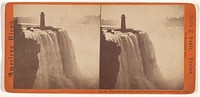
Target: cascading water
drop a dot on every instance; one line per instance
(138, 68)
(57, 65)
(58, 68)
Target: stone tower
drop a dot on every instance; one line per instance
(123, 23)
(42, 21)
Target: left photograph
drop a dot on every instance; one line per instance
(56, 46)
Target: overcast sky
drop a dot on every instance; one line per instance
(140, 15)
(54, 13)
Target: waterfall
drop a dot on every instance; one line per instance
(58, 68)
(57, 64)
(138, 68)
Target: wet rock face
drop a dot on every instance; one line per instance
(109, 63)
(132, 65)
(25, 59)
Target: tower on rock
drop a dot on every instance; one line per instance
(42, 21)
(123, 23)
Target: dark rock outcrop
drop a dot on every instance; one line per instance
(25, 59)
(109, 64)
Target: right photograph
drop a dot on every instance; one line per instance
(142, 47)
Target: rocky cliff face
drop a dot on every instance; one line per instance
(109, 64)
(45, 59)
(25, 59)
(128, 61)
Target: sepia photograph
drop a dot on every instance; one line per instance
(142, 47)
(56, 46)
(98, 47)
